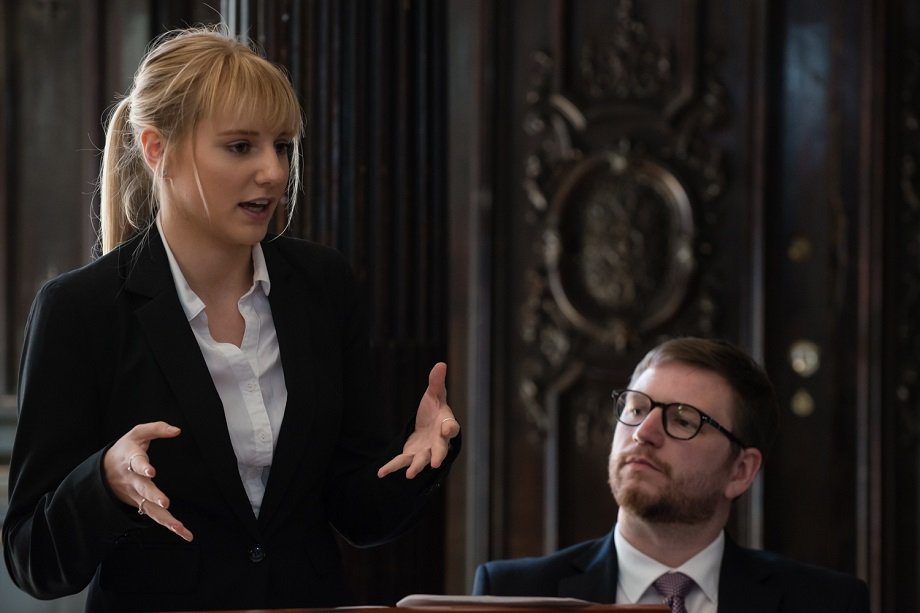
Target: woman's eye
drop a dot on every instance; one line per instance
(239, 147)
(284, 148)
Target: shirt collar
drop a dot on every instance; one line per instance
(192, 305)
(260, 269)
(638, 571)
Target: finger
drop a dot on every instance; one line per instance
(144, 433)
(419, 462)
(138, 461)
(436, 381)
(140, 464)
(397, 463)
(166, 519)
(148, 491)
(450, 427)
(438, 453)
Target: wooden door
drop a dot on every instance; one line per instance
(644, 169)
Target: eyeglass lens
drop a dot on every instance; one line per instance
(680, 421)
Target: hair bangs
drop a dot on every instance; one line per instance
(246, 86)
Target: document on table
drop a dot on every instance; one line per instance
(435, 600)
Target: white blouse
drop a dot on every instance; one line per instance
(249, 378)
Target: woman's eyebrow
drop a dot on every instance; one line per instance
(235, 132)
(247, 132)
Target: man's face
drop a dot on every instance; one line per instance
(665, 480)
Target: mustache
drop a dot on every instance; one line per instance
(634, 455)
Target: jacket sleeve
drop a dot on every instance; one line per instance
(62, 518)
(858, 597)
(481, 583)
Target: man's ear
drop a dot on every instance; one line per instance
(154, 148)
(744, 469)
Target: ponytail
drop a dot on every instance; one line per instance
(127, 203)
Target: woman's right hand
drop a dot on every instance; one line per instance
(130, 474)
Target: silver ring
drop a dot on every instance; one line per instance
(140, 507)
(131, 462)
(449, 419)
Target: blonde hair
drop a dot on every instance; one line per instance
(186, 75)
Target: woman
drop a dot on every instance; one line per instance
(194, 405)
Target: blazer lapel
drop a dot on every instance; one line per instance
(742, 583)
(177, 354)
(596, 572)
(291, 312)
(742, 587)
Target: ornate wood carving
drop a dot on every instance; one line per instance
(622, 182)
(626, 64)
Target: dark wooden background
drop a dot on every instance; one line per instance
(540, 190)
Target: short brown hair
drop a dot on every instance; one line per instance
(756, 410)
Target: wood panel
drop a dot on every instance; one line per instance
(7, 173)
(773, 148)
(629, 219)
(812, 298)
(50, 123)
(63, 64)
(892, 414)
(47, 181)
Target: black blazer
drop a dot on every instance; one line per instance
(107, 347)
(750, 581)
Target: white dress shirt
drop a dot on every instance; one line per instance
(637, 573)
(249, 378)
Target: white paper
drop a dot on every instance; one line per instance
(434, 600)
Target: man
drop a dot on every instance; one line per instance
(694, 425)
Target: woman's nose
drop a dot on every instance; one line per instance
(273, 168)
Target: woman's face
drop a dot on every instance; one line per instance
(243, 166)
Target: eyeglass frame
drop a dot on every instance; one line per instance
(665, 406)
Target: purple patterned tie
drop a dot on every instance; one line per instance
(674, 586)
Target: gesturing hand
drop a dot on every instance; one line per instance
(434, 427)
(130, 474)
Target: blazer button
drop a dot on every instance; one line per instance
(256, 553)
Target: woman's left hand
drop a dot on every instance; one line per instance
(434, 427)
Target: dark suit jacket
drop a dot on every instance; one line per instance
(750, 581)
(108, 347)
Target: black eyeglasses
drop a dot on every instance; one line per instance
(681, 421)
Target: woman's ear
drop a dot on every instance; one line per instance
(154, 148)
